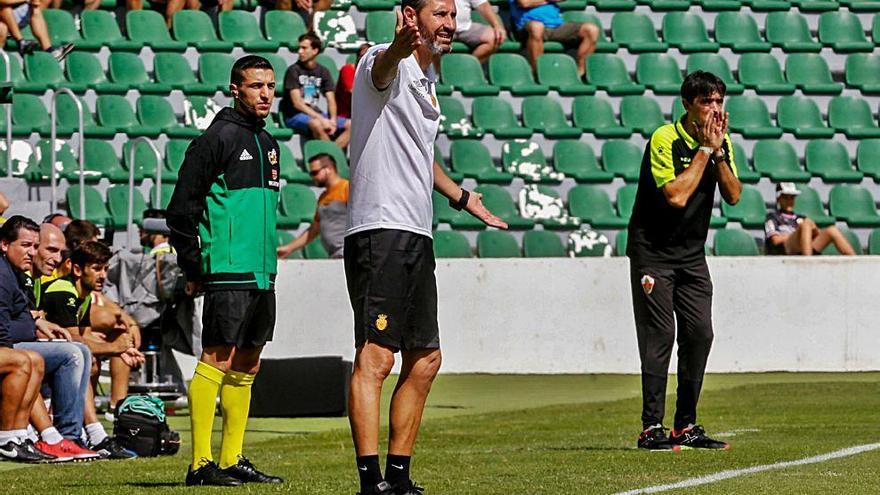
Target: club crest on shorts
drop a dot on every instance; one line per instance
(647, 284)
(382, 322)
(273, 157)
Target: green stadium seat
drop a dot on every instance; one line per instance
(44, 72)
(499, 202)
(739, 32)
(666, 5)
(593, 206)
(623, 159)
(750, 211)
(196, 29)
(175, 152)
(96, 210)
(620, 242)
(459, 220)
(380, 26)
(734, 242)
(173, 70)
(790, 31)
(636, 32)
(473, 160)
(85, 70)
(853, 117)
(42, 166)
(30, 115)
(778, 161)
(714, 63)
(336, 29)
(16, 75)
(829, 160)
(720, 5)
(297, 205)
(496, 116)
(626, 200)
(214, 70)
(99, 26)
(559, 72)
(761, 72)
(868, 158)
(609, 73)
(874, 242)
(576, 159)
(525, 159)
(659, 72)
(145, 162)
(165, 196)
(148, 28)
(641, 113)
(329, 63)
(101, 162)
(454, 120)
(809, 205)
(497, 244)
(284, 27)
(603, 44)
(117, 206)
(368, 5)
(769, 5)
(241, 29)
(811, 74)
(67, 118)
(875, 30)
(128, 69)
(862, 5)
(63, 30)
(801, 117)
(545, 115)
(511, 72)
(854, 205)
(816, 5)
(687, 32)
(156, 112)
(314, 147)
(861, 72)
(543, 244)
(284, 237)
(572, 5)
(114, 112)
(853, 239)
(594, 115)
(451, 244)
(744, 170)
(842, 31)
(749, 116)
(463, 72)
(291, 170)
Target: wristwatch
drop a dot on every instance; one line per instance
(462, 201)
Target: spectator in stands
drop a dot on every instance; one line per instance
(67, 364)
(332, 213)
(17, 14)
(537, 21)
(483, 39)
(786, 232)
(345, 84)
(156, 242)
(79, 231)
(304, 83)
(171, 7)
(78, 6)
(58, 220)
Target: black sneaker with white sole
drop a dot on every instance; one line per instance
(20, 452)
(654, 438)
(61, 52)
(109, 449)
(382, 488)
(209, 474)
(246, 472)
(694, 437)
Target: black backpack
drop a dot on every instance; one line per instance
(141, 427)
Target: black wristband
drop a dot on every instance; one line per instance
(462, 202)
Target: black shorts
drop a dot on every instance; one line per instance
(243, 318)
(393, 292)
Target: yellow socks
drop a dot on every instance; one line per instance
(235, 401)
(203, 392)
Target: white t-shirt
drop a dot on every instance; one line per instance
(392, 148)
(463, 20)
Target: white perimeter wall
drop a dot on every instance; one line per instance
(575, 315)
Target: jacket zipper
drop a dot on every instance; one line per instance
(263, 190)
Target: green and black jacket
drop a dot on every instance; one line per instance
(223, 211)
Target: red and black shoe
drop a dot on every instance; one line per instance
(694, 437)
(654, 438)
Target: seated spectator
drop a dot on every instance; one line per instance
(332, 212)
(482, 39)
(345, 84)
(171, 7)
(67, 364)
(17, 14)
(78, 6)
(304, 83)
(537, 21)
(788, 233)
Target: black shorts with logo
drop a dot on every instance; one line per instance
(243, 318)
(393, 292)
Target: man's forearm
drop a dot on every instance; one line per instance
(680, 190)
(444, 185)
(331, 105)
(486, 12)
(730, 186)
(385, 69)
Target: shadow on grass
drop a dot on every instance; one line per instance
(155, 484)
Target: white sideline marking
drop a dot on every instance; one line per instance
(733, 433)
(733, 473)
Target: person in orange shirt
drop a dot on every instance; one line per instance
(331, 215)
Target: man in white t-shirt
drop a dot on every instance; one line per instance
(483, 39)
(389, 256)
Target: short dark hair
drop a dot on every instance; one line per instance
(324, 158)
(79, 231)
(701, 83)
(9, 230)
(314, 40)
(154, 213)
(90, 252)
(245, 63)
(415, 4)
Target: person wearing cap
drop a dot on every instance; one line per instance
(154, 233)
(789, 233)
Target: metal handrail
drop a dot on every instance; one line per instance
(6, 60)
(132, 153)
(53, 153)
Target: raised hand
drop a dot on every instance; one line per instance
(406, 37)
(711, 132)
(475, 207)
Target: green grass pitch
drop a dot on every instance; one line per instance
(486, 434)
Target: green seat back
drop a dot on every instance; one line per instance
(167, 191)
(658, 69)
(380, 26)
(809, 204)
(451, 244)
(96, 210)
(510, 70)
(156, 111)
(730, 242)
(145, 161)
(16, 75)
(42, 68)
(492, 112)
(633, 27)
(604, 69)
(285, 27)
(543, 112)
(61, 27)
(748, 111)
(848, 111)
(101, 26)
(868, 157)
(626, 200)
(497, 244)
(298, 201)
(193, 27)
(841, 26)
(711, 62)
(798, 111)
(117, 203)
(734, 28)
(173, 68)
(470, 158)
(214, 68)
(641, 113)
(557, 69)
(622, 158)
(750, 210)
(146, 26)
(760, 68)
(461, 69)
(543, 244)
(572, 157)
(874, 242)
(85, 68)
(314, 147)
(863, 68)
(593, 112)
(683, 28)
(851, 201)
(28, 110)
(115, 111)
(775, 157)
(498, 201)
(101, 159)
(175, 151)
(827, 156)
(787, 27)
(127, 68)
(807, 68)
(590, 203)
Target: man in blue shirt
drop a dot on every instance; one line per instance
(537, 21)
